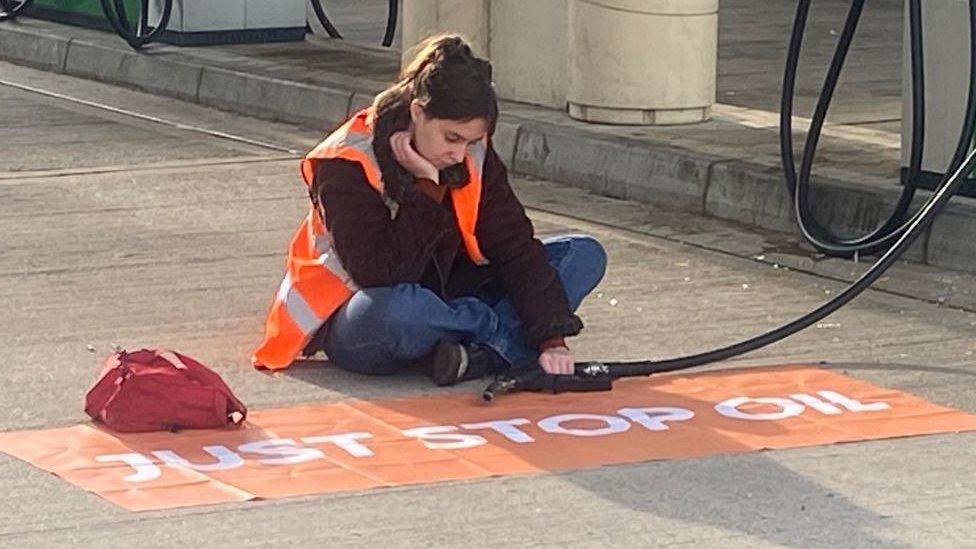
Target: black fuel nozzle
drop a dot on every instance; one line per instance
(588, 376)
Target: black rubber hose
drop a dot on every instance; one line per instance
(912, 229)
(117, 17)
(324, 19)
(882, 237)
(123, 17)
(919, 223)
(819, 236)
(152, 35)
(12, 8)
(391, 22)
(113, 20)
(143, 29)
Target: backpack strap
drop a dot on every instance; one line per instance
(236, 411)
(170, 356)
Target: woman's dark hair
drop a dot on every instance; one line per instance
(449, 81)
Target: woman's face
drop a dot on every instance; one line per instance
(441, 141)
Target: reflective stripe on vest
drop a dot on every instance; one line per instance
(316, 283)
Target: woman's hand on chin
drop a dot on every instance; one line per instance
(410, 159)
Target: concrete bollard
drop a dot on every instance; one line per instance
(526, 41)
(648, 62)
(528, 49)
(422, 18)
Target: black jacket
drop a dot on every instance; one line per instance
(422, 244)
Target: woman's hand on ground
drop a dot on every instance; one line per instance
(557, 360)
(410, 159)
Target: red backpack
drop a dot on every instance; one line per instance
(159, 390)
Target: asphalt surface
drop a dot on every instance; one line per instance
(120, 230)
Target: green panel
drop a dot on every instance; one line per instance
(91, 8)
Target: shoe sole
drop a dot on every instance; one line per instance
(450, 362)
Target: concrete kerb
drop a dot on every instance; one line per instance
(295, 102)
(226, 89)
(757, 195)
(741, 191)
(749, 194)
(609, 165)
(40, 51)
(952, 240)
(138, 70)
(182, 80)
(97, 62)
(506, 139)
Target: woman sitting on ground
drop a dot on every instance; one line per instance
(416, 250)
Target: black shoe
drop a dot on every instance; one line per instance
(452, 362)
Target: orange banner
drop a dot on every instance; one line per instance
(355, 445)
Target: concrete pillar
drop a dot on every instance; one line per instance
(528, 49)
(421, 18)
(642, 61)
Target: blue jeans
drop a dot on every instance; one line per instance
(381, 330)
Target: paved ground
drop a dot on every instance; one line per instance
(118, 230)
(728, 167)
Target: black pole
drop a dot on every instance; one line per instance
(11, 8)
(324, 19)
(391, 22)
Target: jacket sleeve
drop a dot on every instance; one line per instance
(375, 249)
(519, 259)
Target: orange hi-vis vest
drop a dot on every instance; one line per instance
(316, 284)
